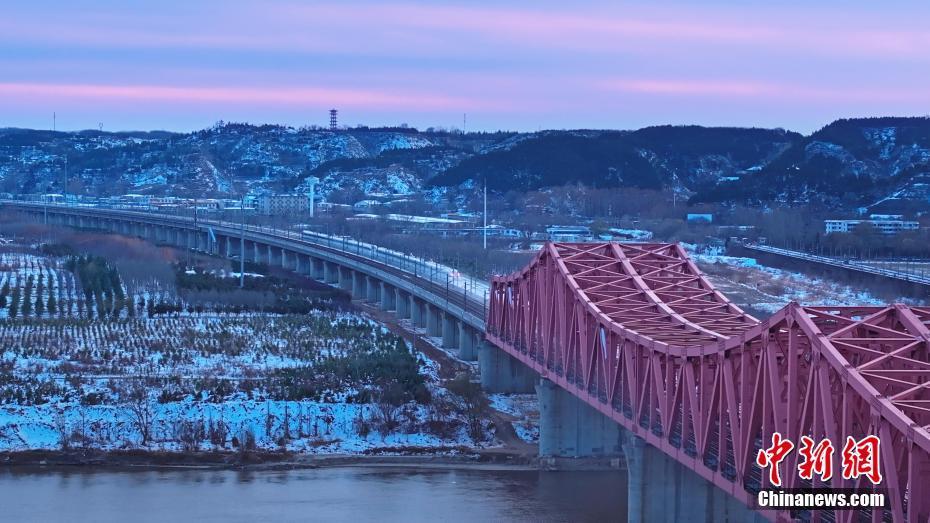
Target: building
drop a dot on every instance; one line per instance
(279, 204)
(883, 223)
(568, 233)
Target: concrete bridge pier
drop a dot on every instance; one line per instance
(661, 489)
(286, 261)
(374, 290)
(417, 312)
(388, 301)
(570, 428)
(501, 372)
(301, 264)
(274, 256)
(317, 269)
(449, 331)
(359, 291)
(401, 304)
(433, 321)
(330, 273)
(345, 278)
(468, 342)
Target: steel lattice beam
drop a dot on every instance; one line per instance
(636, 331)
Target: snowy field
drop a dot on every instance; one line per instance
(109, 369)
(767, 289)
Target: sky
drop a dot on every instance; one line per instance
(485, 65)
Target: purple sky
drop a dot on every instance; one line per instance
(184, 64)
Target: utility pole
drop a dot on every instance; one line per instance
(242, 243)
(485, 214)
(190, 249)
(64, 188)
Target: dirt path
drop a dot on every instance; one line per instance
(449, 367)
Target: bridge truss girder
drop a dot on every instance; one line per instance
(636, 331)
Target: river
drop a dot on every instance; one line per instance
(362, 493)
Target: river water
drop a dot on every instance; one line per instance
(363, 493)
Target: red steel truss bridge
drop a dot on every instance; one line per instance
(637, 332)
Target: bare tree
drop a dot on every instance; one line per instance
(141, 411)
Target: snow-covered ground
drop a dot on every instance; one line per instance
(187, 380)
(767, 289)
(525, 410)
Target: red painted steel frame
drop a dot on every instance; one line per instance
(636, 331)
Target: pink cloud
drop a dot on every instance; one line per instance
(385, 28)
(761, 90)
(288, 96)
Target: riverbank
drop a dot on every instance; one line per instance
(89, 459)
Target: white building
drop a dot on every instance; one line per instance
(885, 224)
(278, 204)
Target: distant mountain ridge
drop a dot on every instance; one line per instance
(851, 162)
(864, 161)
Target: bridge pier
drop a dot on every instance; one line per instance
(468, 342)
(401, 304)
(289, 260)
(256, 253)
(345, 278)
(373, 288)
(501, 372)
(572, 429)
(417, 312)
(661, 489)
(388, 301)
(232, 247)
(318, 268)
(359, 291)
(433, 321)
(274, 256)
(330, 273)
(449, 331)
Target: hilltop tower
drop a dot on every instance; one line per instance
(332, 119)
